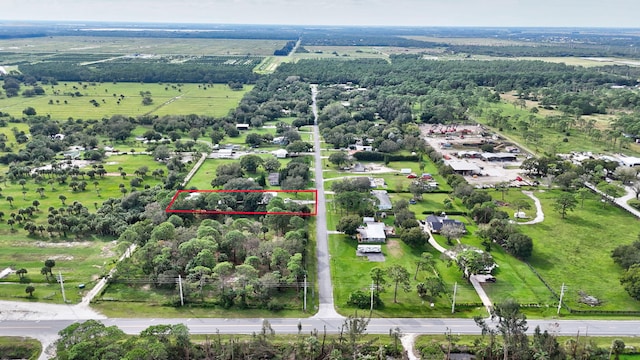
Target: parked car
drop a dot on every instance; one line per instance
(490, 279)
(412, 202)
(412, 176)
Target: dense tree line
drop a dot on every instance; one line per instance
(504, 75)
(286, 49)
(93, 340)
(142, 71)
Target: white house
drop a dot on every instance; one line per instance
(280, 153)
(225, 153)
(372, 232)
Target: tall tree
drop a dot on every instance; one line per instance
(400, 277)
(379, 280)
(512, 325)
(564, 203)
(426, 261)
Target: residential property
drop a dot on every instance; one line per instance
(372, 232)
(225, 153)
(280, 153)
(280, 140)
(435, 223)
(364, 148)
(274, 179)
(384, 202)
(358, 167)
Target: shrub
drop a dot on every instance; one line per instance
(275, 305)
(362, 300)
(634, 203)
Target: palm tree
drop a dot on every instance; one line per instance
(62, 198)
(45, 271)
(21, 273)
(10, 200)
(29, 290)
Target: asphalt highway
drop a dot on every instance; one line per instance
(332, 326)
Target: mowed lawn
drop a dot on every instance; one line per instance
(576, 250)
(125, 98)
(81, 261)
(350, 273)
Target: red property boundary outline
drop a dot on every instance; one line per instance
(219, 212)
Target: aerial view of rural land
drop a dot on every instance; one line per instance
(230, 180)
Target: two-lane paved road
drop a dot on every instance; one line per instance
(290, 326)
(325, 287)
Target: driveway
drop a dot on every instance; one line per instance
(539, 214)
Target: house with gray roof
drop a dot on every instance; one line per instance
(384, 202)
(436, 223)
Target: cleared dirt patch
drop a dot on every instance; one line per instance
(108, 250)
(59, 257)
(63, 244)
(394, 249)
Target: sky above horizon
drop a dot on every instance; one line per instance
(492, 13)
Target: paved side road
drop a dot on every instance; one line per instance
(325, 288)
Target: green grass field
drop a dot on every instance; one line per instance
(577, 251)
(351, 273)
(211, 100)
(14, 347)
(81, 261)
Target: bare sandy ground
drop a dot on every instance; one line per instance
(18, 310)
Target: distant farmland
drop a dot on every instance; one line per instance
(49, 46)
(124, 98)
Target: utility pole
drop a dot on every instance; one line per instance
(561, 296)
(372, 288)
(181, 295)
(453, 304)
(64, 297)
(305, 293)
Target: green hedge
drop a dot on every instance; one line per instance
(448, 212)
(380, 156)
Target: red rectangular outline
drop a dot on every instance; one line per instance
(218, 212)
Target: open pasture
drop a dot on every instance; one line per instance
(127, 45)
(577, 250)
(61, 101)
